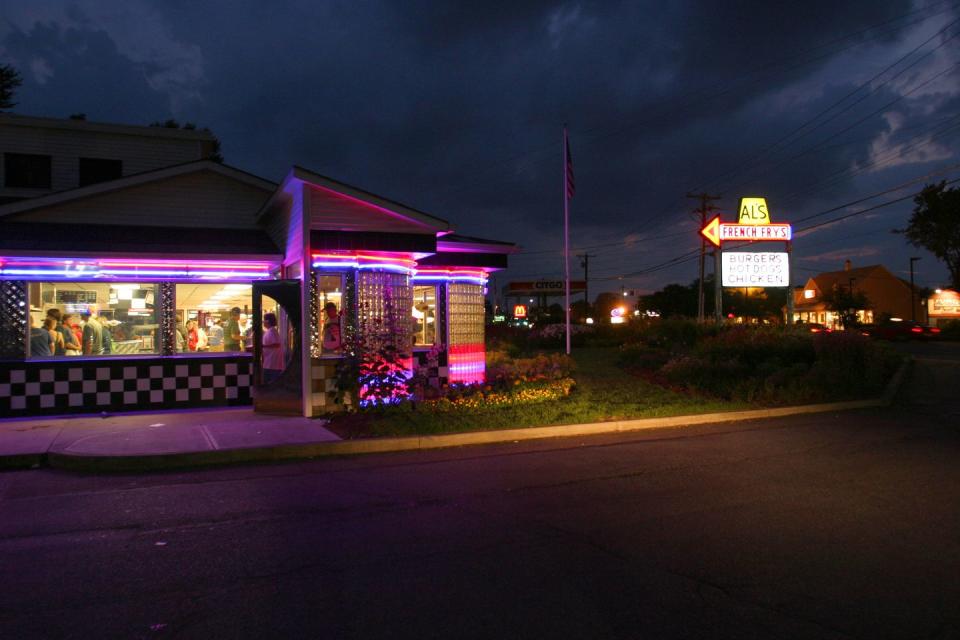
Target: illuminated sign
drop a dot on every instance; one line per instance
(755, 269)
(544, 287)
(717, 232)
(519, 311)
(753, 211)
(944, 304)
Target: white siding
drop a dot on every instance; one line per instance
(283, 222)
(199, 199)
(66, 146)
(335, 212)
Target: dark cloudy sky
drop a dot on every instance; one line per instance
(456, 109)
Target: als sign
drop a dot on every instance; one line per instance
(756, 269)
(753, 225)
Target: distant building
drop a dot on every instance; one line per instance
(47, 155)
(943, 306)
(888, 295)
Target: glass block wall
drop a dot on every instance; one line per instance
(384, 300)
(466, 355)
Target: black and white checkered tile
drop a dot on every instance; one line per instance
(436, 366)
(55, 387)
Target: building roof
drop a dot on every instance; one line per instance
(454, 242)
(107, 186)
(105, 127)
(827, 280)
(26, 238)
(371, 199)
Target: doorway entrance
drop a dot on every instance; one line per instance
(277, 332)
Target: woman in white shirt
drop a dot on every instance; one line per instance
(272, 349)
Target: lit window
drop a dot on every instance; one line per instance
(93, 319)
(215, 317)
(809, 293)
(330, 292)
(424, 315)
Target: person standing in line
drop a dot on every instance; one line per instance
(92, 334)
(332, 342)
(272, 349)
(232, 334)
(56, 339)
(41, 342)
(72, 336)
(215, 336)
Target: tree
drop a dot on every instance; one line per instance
(935, 225)
(845, 302)
(10, 79)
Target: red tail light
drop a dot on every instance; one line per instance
(815, 330)
(916, 329)
(934, 330)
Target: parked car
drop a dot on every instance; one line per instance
(813, 327)
(898, 330)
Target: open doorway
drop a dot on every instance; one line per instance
(277, 331)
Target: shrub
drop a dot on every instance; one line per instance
(505, 371)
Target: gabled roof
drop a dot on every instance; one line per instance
(100, 188)
(827, 280)
(379, 202)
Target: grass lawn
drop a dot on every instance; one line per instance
(603, 392)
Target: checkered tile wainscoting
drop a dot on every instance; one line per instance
(44, 388)
(437, 372)
(323, 385)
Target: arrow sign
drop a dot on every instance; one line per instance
(712, 231)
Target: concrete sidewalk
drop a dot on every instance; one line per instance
(171, 438)
(137, 442)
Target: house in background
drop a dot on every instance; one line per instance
(888, 296)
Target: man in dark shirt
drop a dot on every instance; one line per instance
(92, 335)
(41, 343)
(232, 336)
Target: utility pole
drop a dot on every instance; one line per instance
(705, 208)
(913, 303)
(585, 263)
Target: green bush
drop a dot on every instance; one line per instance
(773, 366)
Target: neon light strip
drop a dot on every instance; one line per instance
(77, 269)
(363, 261)
(472, 276)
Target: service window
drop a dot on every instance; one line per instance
(93, 319)
(94, 170)
(215, 318)
(330, 292)
(424, 315)
(26, 171)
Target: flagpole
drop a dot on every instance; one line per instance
(566, 234)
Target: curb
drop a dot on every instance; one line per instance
(158, 462)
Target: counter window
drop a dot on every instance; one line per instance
(330, 292)
(92, 319)
(214, 318)
(424, 315)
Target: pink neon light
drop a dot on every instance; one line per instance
(466, 363)
(363, 258)
(452, 273)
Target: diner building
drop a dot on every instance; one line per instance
(887, 295)
(195, 284)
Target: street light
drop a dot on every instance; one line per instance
(913, 304)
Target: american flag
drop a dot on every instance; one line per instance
(571, 184)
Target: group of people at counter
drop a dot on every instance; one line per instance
(233, 336)
(70, 334)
